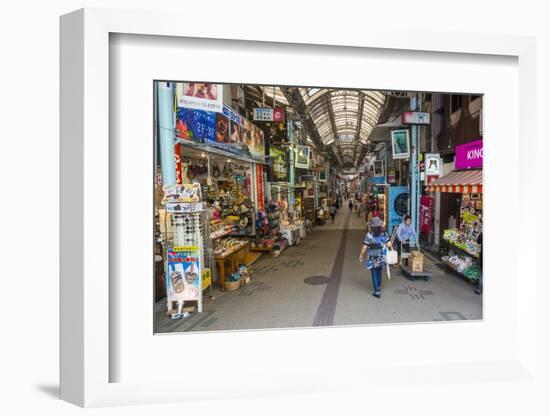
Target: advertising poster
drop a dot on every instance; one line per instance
(391, 175)
(302, 157)
(398, 205)
(257, 148)
(195, 125)
(247, 133)
(400, 144)
(279, 164)
(236, 134)
(183, 281)
(179, 170)
(260, 187)
(222, 128)
(426, 209)
(200, 96)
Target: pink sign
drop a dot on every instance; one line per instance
(469, 155)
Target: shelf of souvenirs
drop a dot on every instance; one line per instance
(229, 246)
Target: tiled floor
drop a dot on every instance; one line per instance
(278, 296)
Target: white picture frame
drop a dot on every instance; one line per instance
(87, 166)
(401, 144)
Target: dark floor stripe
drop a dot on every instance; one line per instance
(327, 307)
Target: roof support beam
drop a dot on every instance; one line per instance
(361, 98)
(297, 102)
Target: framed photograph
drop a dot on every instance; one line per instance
(302, 157)
(400, 144)
(112, 65)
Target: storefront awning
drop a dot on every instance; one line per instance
(465, 181)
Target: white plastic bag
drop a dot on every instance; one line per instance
(391, 257)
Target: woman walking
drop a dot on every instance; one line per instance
(375, 244)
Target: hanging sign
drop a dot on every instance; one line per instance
(200, 96)
(415, 117)
(391, 175)
(183, 280)
(263, 114)
(432, 163)
(302, 157)
(469, 155)
(378, 168)
(279, 115)
(400, 144)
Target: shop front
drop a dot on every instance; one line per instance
(461, 247)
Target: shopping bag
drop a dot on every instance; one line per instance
(391, 257)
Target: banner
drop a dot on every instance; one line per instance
(415, 117)
(302, 157)
(426, 209)
(196, 125)
(200, 96)
(260, 187)
(469, 155)
(378, 168)
(183, 275)
(400, 144)
(177, 157)
(398, 205)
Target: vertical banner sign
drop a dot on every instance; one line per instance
(398, 205)
(177, 157)
(426, 209)
(278, 115)
(260, 187)
(183, 275)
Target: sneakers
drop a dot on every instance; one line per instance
(376, 295)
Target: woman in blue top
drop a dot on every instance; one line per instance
(375, 244)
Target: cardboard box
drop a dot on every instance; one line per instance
(417, 261)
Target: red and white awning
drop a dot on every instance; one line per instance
(464, 182)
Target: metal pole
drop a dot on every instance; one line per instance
(418, 185)
(413, 207)
(166, 133)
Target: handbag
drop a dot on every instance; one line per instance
(391, 257)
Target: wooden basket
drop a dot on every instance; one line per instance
(232, 285)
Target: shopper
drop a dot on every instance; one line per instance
(375, 244)
(480, 282)
(405, 235)
(332, 212)
(350, 205)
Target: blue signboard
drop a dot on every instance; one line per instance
(376, 179)
(398, 205)
(196, 125)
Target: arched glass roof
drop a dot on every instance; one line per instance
(344, 118)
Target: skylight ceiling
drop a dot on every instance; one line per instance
(338, 113)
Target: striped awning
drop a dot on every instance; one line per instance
(464, 182)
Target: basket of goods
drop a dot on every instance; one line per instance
(234, 282)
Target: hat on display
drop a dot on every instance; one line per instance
(376, 222)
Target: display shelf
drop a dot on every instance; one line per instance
(233, 250)
(454, 246)
(452, 266)
(251, 257)
(215, 236)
